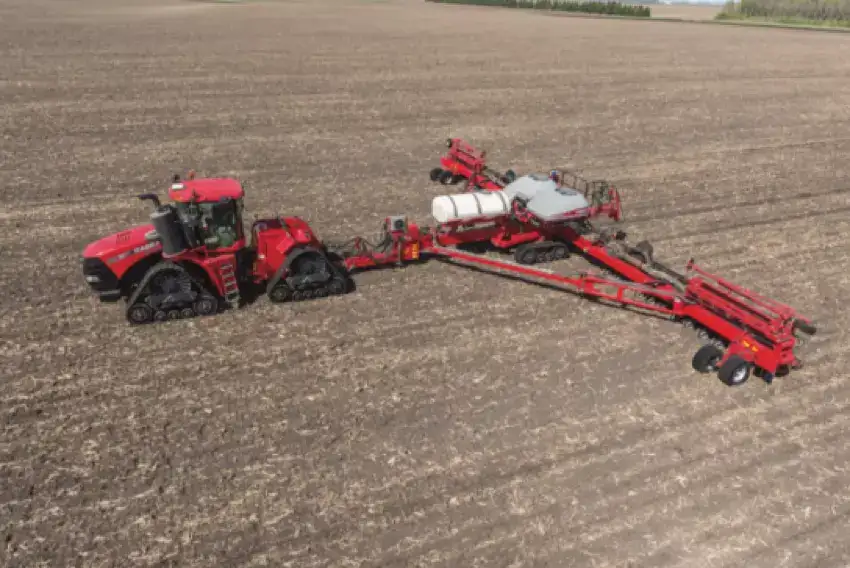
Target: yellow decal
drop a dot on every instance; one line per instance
(414, 250)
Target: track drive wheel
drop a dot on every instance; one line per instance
(139, 313)
(435, 174)
(525, 254)
(280, 293)
(206, 305)
(706, 358)
(560, 252)
(338, 286)
(734, 371)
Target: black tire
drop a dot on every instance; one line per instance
(735, 371)
(706, 358)
(510, 176)
(435, 174)
(560, 252)
(206, 306)
(186, 313)
(804, 327)
(280, 293)
(446, 177)
(139, 314)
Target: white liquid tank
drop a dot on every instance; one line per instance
(470, 206)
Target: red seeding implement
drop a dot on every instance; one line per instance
(196, 257)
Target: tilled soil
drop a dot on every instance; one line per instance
(437, 415)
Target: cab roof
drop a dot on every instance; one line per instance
(206, 190)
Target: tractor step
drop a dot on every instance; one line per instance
(231, 286)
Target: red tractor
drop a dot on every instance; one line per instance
(195, 257)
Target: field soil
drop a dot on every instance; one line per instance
(685, 11)
(436, 416)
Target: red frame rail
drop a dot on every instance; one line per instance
(692, 304)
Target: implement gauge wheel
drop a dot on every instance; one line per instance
(435, 174)
(706, 358)
(805, 327)
(734, 371)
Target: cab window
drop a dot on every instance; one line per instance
(220, 224)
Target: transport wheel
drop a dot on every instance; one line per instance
(446, 177)
(206, 306)
(735, 371)
(435, 174)
(139, 314)
(706, 358)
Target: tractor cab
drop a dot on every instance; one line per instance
(204, 213)
(211, 210)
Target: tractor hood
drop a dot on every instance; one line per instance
(130, 241)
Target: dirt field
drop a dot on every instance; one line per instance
(685, 11)
(437, 416)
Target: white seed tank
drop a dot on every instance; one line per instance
(470, 206)
(544, 198)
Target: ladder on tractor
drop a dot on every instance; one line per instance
(231, 286)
